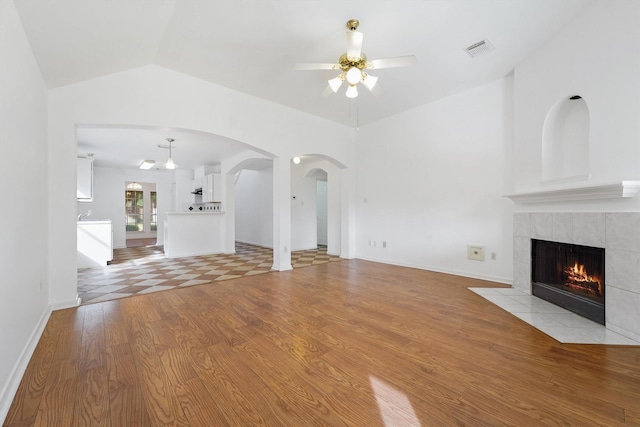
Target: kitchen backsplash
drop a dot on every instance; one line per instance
(212, 207)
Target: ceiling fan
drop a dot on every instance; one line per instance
(353, 64)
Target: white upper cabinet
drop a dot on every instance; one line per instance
(85, 179)
(211, 188)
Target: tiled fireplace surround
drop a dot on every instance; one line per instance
(618, 233)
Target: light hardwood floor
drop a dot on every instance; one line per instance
(350, 343)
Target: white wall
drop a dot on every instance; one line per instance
(23, 219)
(431, 180)
(254, 207)
(596, 56)
(108, 198)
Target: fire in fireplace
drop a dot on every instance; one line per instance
(571, 276)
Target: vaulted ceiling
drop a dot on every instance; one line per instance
(252, 46)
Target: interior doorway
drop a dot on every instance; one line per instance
(321, 212)
(141, 213)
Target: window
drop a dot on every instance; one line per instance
(154, 212)
(134, 206)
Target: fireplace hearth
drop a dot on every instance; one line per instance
(570, 276)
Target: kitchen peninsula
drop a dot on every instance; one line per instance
(193, 233)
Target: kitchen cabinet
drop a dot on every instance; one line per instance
(84, 190)
(95, 243)
(193, 234)
(212, 188)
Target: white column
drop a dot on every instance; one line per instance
(348, 229)
(229, 206)
(281, 214)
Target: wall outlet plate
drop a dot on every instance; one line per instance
(475, 253)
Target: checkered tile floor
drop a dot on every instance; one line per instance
(145, 269)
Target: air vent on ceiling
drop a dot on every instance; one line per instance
(480, 48)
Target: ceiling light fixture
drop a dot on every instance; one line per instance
(170, 164)
(296, 160)
(134, 186)
(147, 164)
(353, 63)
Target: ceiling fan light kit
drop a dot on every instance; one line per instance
(354, 62)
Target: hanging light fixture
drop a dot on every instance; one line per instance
(170, 164)
(353, 63)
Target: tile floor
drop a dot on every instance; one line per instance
(558, 323)
(145, 269)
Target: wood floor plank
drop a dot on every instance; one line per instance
(114, 324)
(161, 401)
(348, 343)
(292, 385)
(260, 401)
(127, 406)
(198, 405)
(92, 382)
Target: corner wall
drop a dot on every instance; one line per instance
(23, 220)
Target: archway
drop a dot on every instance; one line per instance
(316, 204)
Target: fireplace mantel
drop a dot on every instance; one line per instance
(615, 190)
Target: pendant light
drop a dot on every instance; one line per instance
(170, 164)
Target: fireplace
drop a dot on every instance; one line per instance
(571, 276)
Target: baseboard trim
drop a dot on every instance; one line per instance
(498, 279)
(11, 387)
(65, 304)
(260, 245)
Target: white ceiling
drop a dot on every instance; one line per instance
(252, 45)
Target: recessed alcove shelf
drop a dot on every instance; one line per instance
(615, 190)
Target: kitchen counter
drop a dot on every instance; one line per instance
(193, 233)
(95, 243)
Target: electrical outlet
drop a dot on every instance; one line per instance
(369, 242)
(493, 255)
(475, 253)
(384, 244)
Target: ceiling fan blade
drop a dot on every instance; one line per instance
(326, 92)
(316, 66)
(354, 44)
(399, 61)
(377, 90)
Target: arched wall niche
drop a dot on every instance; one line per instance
(565, 141)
